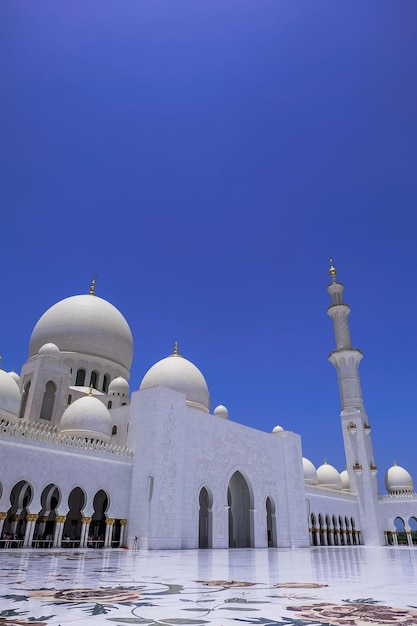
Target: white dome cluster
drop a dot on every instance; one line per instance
(175, 372)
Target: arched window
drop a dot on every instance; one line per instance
(109, 404)
(105, 385)
(24, 399)
(94, 380)
(69, 399)
(114, 430)
(48, 401)
(80, 378)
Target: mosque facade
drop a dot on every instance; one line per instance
(85, 463)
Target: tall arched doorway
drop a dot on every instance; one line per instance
(204, 520)
(239, 501)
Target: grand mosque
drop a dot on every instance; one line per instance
(87, 463)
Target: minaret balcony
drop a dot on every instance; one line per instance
(357, 467)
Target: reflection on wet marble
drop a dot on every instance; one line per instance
(340, 586)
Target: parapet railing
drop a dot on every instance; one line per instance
(50, 434)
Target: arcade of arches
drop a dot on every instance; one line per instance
(39, 525)
(403, 534)
(333, 531)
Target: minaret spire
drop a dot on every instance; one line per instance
(356, 430)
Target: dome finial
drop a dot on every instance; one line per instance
(332, 270)
(93, 285)
(90, 391)
(176, 348)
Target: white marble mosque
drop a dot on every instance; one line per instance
(86, 463)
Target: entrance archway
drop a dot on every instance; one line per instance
(239, 501)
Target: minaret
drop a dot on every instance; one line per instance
(355, 426)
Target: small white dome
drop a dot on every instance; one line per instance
(175, 372)
(119, 387)
(398, 480)
(49, 349)
(221, 411)
(328, 476)
(9, 397)
(87, 417)
(344, 477)
(277, 429)
(15, 376)
(310, 472)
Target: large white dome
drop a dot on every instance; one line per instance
(87, 325)
(87, 417)
(175, 372)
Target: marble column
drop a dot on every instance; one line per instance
(59, 529)
(109, 532)
(3, 516)
(42, 524)
(85, 526)
(13, 527)
(122, 532)
(30, 529)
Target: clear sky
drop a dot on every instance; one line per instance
(205, 158)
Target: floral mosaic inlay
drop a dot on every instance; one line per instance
(100, 588)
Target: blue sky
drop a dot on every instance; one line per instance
(205, 158)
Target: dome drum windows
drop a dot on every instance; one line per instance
(80, 378)
(94, 379)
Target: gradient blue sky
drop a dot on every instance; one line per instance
(205, 158)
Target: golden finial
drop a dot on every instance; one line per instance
(332, 270)
(90, 392)
(93, 285)
(176, 348)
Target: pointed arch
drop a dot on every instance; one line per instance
(48, 401)
(205, 519)
(240, 503)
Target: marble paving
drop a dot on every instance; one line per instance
(340, 586)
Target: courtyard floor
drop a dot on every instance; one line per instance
(340, 586)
